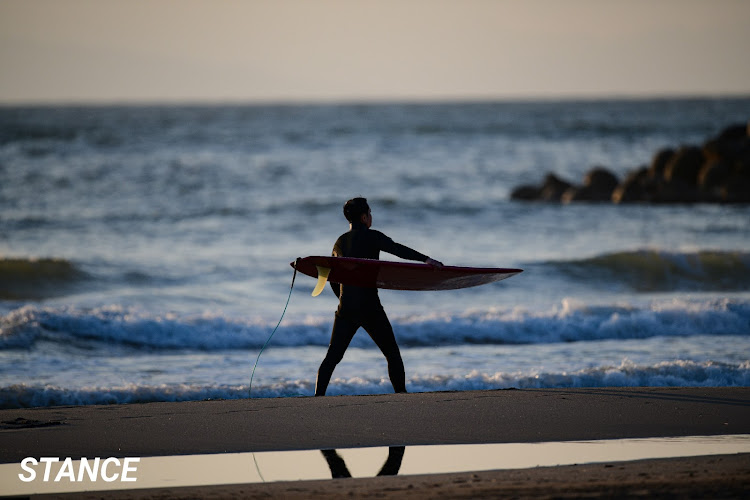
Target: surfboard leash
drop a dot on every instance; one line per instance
(250, 388)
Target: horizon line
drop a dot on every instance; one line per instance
(353, 101)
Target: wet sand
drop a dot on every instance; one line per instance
(503, 416)
(714, 477)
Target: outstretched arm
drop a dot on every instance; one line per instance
(399, 250)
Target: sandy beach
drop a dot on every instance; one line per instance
(504, 416)
(715, 477)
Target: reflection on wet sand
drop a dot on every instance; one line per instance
(272, 466)
(390, 467)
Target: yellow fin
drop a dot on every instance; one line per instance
(322, 279)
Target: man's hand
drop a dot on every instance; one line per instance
(434, 263)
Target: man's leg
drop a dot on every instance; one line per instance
(341, 335)
(336, 464)
(380, 330)
(393, 462)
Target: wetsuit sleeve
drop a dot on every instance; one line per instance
(388, 245)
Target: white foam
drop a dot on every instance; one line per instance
(679, 373)
(569, 322)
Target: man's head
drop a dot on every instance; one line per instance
(357, 208)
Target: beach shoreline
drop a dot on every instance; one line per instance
(501, 416)
(308, 423)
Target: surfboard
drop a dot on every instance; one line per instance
(371, 273)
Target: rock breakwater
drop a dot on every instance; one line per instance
(717, 171)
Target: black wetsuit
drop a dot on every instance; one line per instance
(361, 307)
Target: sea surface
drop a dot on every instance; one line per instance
(144, 251)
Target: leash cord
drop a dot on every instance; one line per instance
(250, 389)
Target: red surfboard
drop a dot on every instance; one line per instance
(371, 273)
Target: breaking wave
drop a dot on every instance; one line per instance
(569, 322)
(627, 374)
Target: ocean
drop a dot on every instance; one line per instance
(145, 250)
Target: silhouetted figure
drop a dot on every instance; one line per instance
(361, 307)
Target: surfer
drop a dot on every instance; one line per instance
(361, 307)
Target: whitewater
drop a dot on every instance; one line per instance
(145, 251)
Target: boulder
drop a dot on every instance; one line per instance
(526, 193)
(553, 188)
(575, 193)
(713, 175)
(736, 190)
(598, 185)
(677, 193)
(659, 163)
(742, 170)
(601, 181)
(728, 145)
(633, 188)
(683, 167)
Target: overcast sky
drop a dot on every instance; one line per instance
(345, 50)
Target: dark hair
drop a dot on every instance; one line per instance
(355, 208)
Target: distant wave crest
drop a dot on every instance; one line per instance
(657, 270)
(30, 278)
